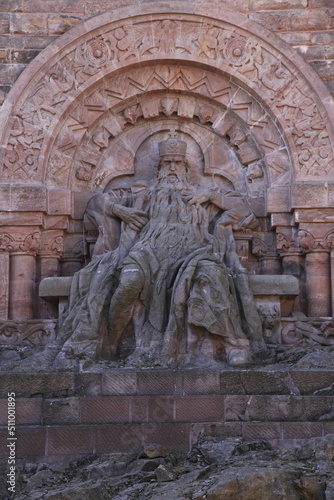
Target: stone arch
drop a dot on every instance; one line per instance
(272, 72)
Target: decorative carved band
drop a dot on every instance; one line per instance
(96, 55)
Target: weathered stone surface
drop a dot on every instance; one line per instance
(250, 468)
(274, 285)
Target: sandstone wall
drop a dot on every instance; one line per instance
(28, 26)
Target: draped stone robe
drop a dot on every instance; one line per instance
(184, 253)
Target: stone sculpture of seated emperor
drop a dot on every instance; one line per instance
(169, 289)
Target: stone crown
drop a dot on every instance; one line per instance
(172, 147)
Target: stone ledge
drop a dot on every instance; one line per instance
(264, 284)
(126, 382)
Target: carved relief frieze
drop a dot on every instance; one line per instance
(254, 62)
(29, 244)
(52, 244)
(28, 333)
(244, 127)
(308, 242)
(285, 243)
(310, 331)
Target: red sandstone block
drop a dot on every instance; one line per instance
(236, 407)
(274, 408)
(199, 408)
(305, 20)
(289, 408)
(278, 199)
(262, 430)
(3, 444)
(4, 56)
(12, 41)
(61, 411)
(325, 69)
(30, 384)
(322, 52)
(161, 409)
(59, 202)
(119, 383)
(312, 194)
(58, 384)
(216, 429)
(257, 5)
(10, 5)
(330, 86)
(27, 411)
(4, 23)
(53, 6)
(317, 408)
(105, 409)
(37, 42)
(173, 437)
(57, 25)
(88, 384)
(23, 56)
(319, 383)
(9, 73)
(297, 37)
(328, 428)
(79, 203)
(265, 382)
(4, 196)
(322, 37)
(25, 198)
(30, 442)
(230, 382)
(70, 439)
(316, 4)
(158, 382)
(28, 24)
(300, 430)
(197, 382)
(139, 409)
(118, 438)
(93, 7)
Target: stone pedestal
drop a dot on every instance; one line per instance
(119, 410)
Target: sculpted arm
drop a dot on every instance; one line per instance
(206, 196)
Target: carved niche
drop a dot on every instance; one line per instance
(80, 119)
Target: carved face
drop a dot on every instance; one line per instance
(173, 169)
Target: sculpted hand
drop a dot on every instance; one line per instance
(136, 219)
(198, 198)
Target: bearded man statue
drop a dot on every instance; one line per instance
(165, 286)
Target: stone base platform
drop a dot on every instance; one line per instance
(66, 415)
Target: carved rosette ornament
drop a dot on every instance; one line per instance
(260, 64)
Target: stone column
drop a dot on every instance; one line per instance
(318, 283)
(270, 264)
(22, 277)
(21, 291)
(293, 263)
(48, 264)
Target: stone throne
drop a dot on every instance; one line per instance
(74, 124)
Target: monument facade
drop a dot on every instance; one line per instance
(167, 187)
